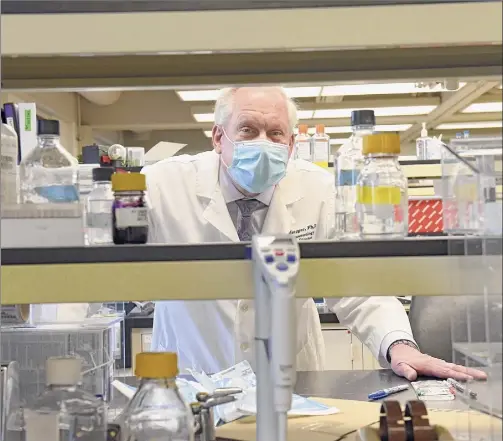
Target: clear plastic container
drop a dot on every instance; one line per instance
(49, 174)
(382, 202)
(348, 163)
(157, 411)
(303, 144)
(471, 186)
(320, 146)
(64, 412)
(98, 215)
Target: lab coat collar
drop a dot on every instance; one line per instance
(207, 187)
(278, 219)
(288, 191)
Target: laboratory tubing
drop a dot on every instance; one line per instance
(382, 203)
(48, 173)
(348, 163)
(303, 144)
(157, 411)
(129, 209)
(320, 147)
(8, 164)
(64, 411)
(98, 213)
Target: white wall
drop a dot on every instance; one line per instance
(64, 106)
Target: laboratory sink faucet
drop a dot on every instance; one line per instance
(275, 267)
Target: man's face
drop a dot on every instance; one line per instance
(258, 113)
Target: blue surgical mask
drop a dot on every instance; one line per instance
(257, 164)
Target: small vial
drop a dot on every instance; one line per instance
(320, 146)
(129, 210)
(303, 144)
(382, 202)
(99, 203)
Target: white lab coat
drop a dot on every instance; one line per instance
(187, 206)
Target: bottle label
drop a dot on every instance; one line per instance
(131, 217)
(99, 220)
(321, 151)
(41, 423)
(347, 177)
(304, 150)
(421, 151)
(379, 195)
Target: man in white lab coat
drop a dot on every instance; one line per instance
(249, 185)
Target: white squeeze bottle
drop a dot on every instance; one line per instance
(422, 144)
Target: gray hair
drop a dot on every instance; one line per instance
(225, 103)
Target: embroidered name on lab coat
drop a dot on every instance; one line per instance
(306, 233)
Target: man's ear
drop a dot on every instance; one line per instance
(216, 138)
(291, 144)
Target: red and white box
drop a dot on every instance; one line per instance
(425, 216)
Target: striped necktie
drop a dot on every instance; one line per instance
(247, 207)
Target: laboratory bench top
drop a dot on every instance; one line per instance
(356, 385)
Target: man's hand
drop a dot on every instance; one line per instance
(408, 362)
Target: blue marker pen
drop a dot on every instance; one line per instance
(383, 393)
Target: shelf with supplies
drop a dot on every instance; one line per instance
(413, 266)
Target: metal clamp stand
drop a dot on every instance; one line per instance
(203, 411)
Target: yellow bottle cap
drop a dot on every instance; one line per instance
(129, 182)
(156, 365)
(381, 143)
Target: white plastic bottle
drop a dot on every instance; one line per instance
(8, 164)
(382, 203)
(49, 174)
(64, 411)
(348, 163)
(303, 144)
(422, 144)
(320, 146)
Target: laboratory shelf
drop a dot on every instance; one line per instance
(416, 246)
(414, 266)
(239, 52)
(78, 7)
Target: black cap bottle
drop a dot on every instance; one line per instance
(363, 118)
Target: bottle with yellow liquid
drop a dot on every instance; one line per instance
(382, 201)
(320, 146)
